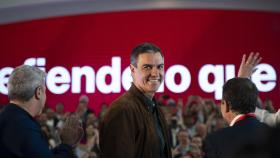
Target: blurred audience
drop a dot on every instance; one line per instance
(183, 148)
(189, 123)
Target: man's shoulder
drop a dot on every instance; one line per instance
(251, 124)
(224, 134)
(247, 128)
(125, 106)
(17, 118)
(9, 113)
(225, 139)
(219, 133)
(125, 101)
(121, 104)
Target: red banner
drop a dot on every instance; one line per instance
(89, 54)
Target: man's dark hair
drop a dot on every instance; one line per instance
(143, 48)
(241, 95)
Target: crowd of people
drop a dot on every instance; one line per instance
(189, 122)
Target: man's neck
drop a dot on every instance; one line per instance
(230, 117)
(241, 117)
(23, 105)
(148, 95)
(233, 121)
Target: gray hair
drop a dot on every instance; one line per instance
(23, 82)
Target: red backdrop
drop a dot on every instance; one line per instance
(191, 38)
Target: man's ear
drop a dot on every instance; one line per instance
(38, 92)
(227, 106)
(132, 68)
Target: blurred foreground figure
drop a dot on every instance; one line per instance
(134, 126)
(237, 106)
(20, 134)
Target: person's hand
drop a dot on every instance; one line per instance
(175, 151)
(247, 66)
(72, 131)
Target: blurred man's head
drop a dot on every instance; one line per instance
(27, 84)
(50, 113)
(239, 97)
(84, 99)
(91, 119)
(147, 68)
(201, 130)
(82, 104)
(59, 108)
(197, 140)
(183, 137)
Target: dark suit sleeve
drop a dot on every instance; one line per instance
(36, 146)
(209, 148)
(25, 141)
(117, 138)
(28, 142)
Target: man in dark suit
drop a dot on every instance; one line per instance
(244, 127)
(20, 134)
(237, 107)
